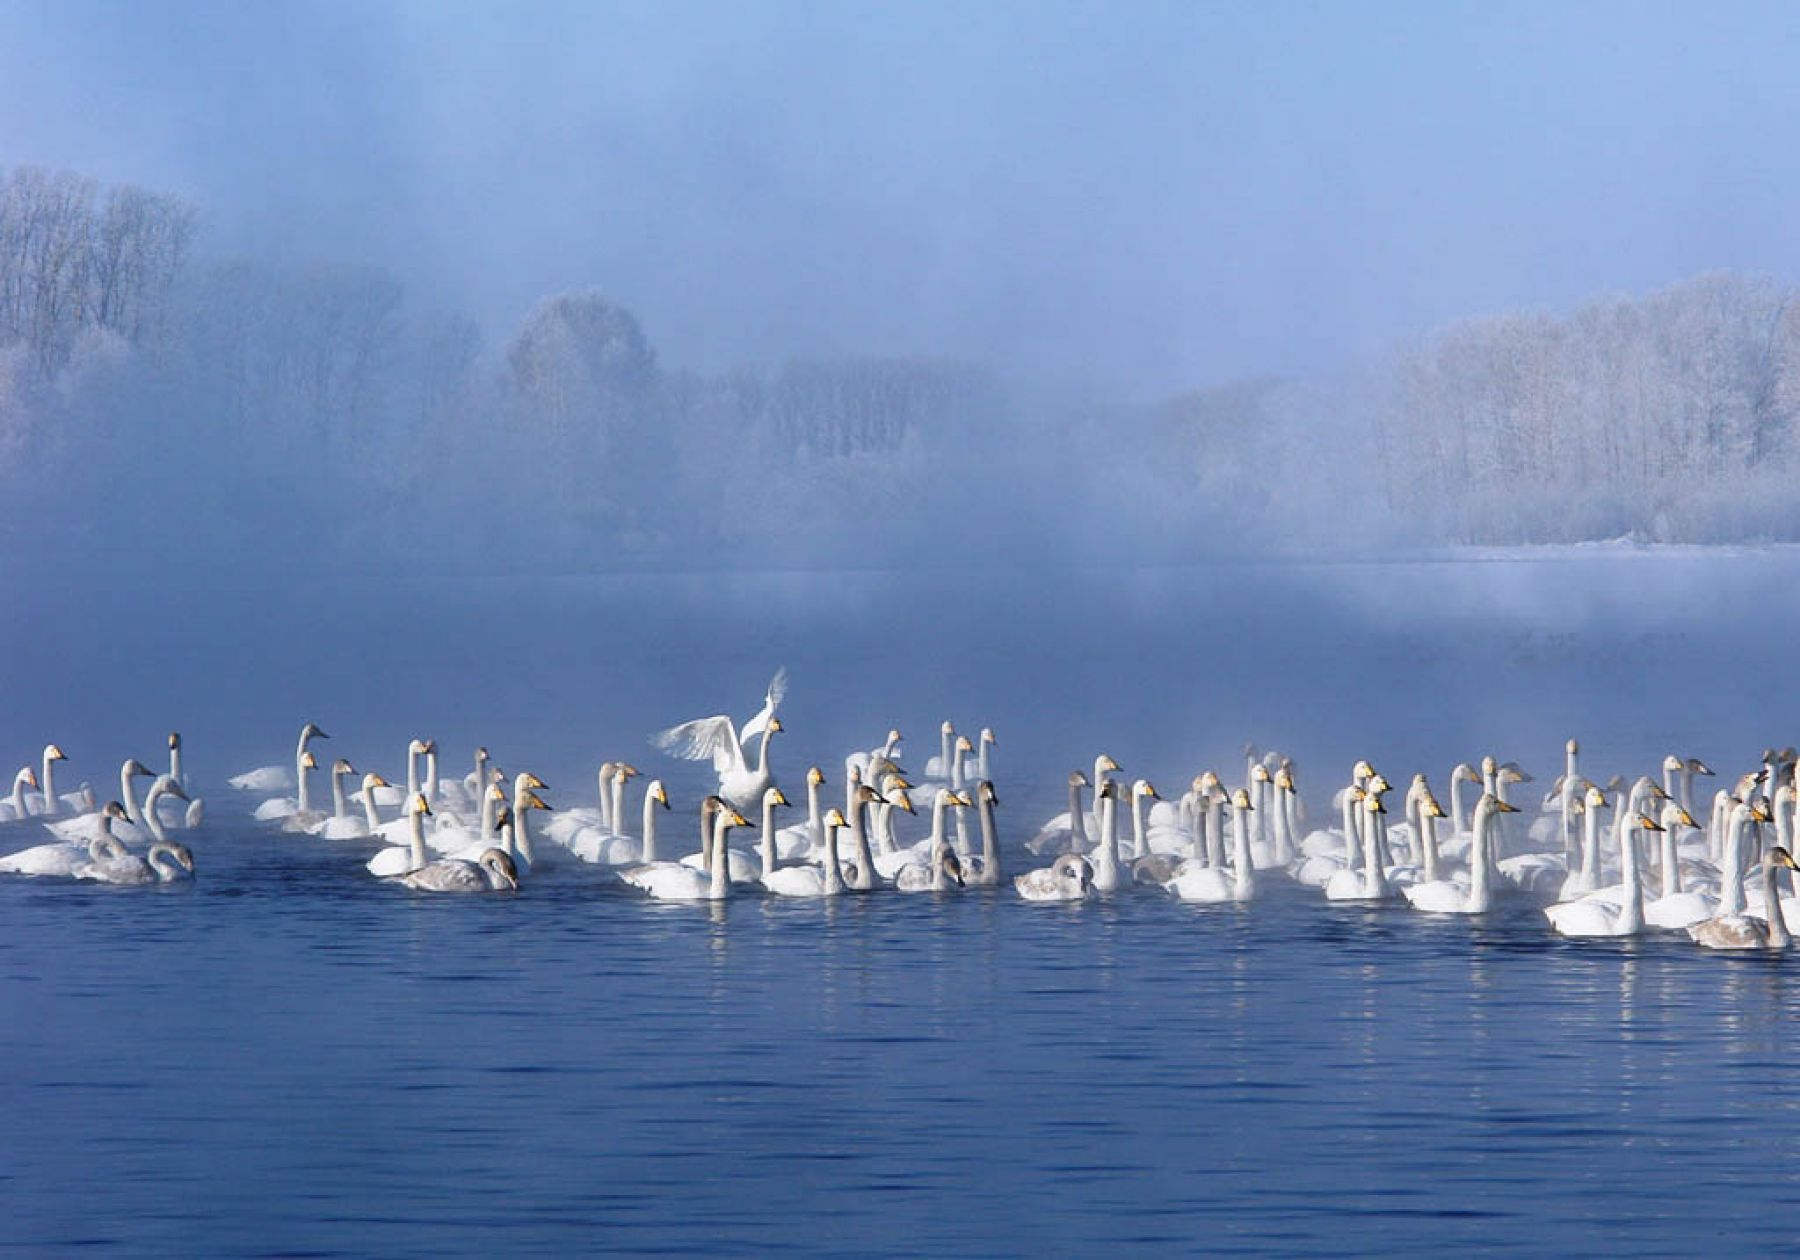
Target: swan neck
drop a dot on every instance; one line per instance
(175, 764)
(151, 821)
(48, 779)
(1778, 930)
(768, 839)
(1240, 853)
(1140, 846)
(340, 804)
(522, 823)
(1633, 917)
(721, 865)
(834, 872)
(1671, 863)
(1731, 867)
(990, 843)
(417, 835)
(490, 812)
(865, 861)
(369, 814)
(649, 828)
(431, 778)
(1480, 859)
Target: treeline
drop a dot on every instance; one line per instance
(240, 412)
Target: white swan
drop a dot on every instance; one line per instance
(773, 798)
(1474, 893)
(604, 849)
(824, 880)
(112, 863)
(1371, 883)
(1108, 877)
(277, 778)
(493, 871)
(1600, 915)
(570, 823)
(1741, 931)
(1212, 883)
(806, 840)
(719, 740)
(1678, 907)
(1069, 878)
(676, 881)
(63, 857)
(352, 827)
(84, 827)
(15, 808)
(46, 804)
(400, 859)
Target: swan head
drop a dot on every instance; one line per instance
(834, 817)
(774, 796)
(28, 776)
(180, 854)
(1697, 766)
(1146, 789)
(1109, 791)
(1572, 747)
(1674, 764)
(1428, 805)
(775, 726)
(53, 753)
(1259, 773)
(525, 781)
(904, 801)
(419, 805)
(1465, 773)
(865, 795)
(1779, 856)
(606, 770)
(1078, 779)
(115, 811)
(953, 866)
(174, 739)
(1489, 766)
(710, 805)
(1208, 782)
(1074, 870)
(891, 783)
(880, 766)
(340, 766)
(1372, 803)
(1240, 801)
(533, 801)
(1251, 750)
(1674, 815)
(1759, 810)
(987, 793)
(311, 731)
(1498, 806)
(481, 754)
(1377, 785)
(624, 770)
(1107, 765)
(1361, 772)
(373, 781)
(964, 744)
(658, 793)
(987, 735)
(815, 777)
(730, 817)
(1284, 779)
(946, 728)
(307, 761)
(138, 770)
(1647, 823)
(419, 747)
(167, 785)
(1511, 773)
(1595, 798)
(499, 863)
(958, 799)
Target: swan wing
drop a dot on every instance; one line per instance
(772, 699)
(449, 875)
(702, 739)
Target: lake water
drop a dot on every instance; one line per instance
(292, 1058)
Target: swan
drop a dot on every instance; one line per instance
(351, 827)
(493, 871)
(740, 867)
(676, 881)
(570, 823)
(1067, 831)
(1069, 878)
(1371, 883)
(593, 845)
(938, 767)
(1107, 875)
(860, 761)
(112, 863)
(773, 798)
(806, 840)
(84, 827)
(1600, 915)
(942, 867)
(1475, 896)
(392, 796)
(1321, 864)
(1677, 907)
(1741, 931)
(400, 859)
(277, 808)
(62, 857)
(1211, 883)
(15, 808)
(46, 804)
(717, 739)
(825, 880)
(983, 869)
(277, 778)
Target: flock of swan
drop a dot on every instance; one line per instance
(1609, 860)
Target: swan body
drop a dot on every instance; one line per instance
(676, 881)
(1214, 884)
(606, 849)
(113, 863)
(493, 872)
(1599, 914)
(1741, 931)
(982, 870)
(1069, 878)
(1473, 894)
(824, 880)
(717, 739)
(350, 827)
(61, 858)
(278, 779)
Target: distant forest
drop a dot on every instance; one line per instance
(233, 411)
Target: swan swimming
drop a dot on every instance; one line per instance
(112, 863)
(62, 858)
(1069, 878)
(719, 740)
(1741, 931)
(676, 881)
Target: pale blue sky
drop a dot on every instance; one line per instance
(1139, 196)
